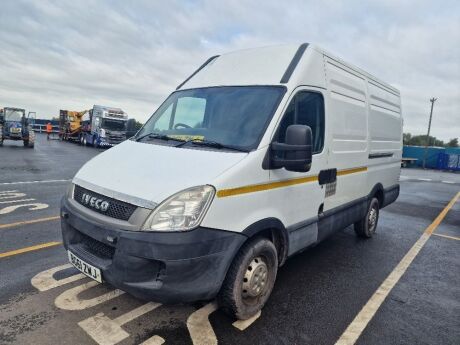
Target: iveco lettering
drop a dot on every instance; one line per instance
(255, 157)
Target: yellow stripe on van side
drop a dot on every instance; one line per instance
(351, 171)
(279, 184)
(264, 186)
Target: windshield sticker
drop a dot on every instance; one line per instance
(186, 137)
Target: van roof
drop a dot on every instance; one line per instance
(271, 65)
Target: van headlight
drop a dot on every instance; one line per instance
(182, 211)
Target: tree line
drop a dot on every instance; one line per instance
(420, 140)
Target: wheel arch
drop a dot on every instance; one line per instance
(379, 193)
(274, 230)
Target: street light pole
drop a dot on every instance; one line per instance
(432, 100)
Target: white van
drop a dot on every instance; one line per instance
(258, 155)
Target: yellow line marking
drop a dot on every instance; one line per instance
(447, 236)
(351, 171)
(264, 186)
(279, 184)
(357, 326)
(3, 226)
(29, 249)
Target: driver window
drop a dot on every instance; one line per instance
(306, 108)
(189, 112)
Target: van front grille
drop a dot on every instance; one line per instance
(116, 209)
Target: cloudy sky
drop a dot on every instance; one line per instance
(132, 54)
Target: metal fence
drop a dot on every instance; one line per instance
(42, 128)
(449, 161)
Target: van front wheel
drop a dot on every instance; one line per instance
(366, 227)
(250, 279)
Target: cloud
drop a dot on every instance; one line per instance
(73, 54)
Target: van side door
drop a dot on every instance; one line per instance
(301, 197)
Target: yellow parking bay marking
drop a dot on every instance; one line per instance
(447, 236)
(39, 220)
(29, 249)
(357, 326)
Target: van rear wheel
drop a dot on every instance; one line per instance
(366, 227)
(250, 279)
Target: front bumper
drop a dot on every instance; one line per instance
(169, 267)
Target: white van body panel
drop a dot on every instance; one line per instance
(261, 66)
(145, 175)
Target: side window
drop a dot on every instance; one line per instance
(190, 112)
(162, 124)
(306, 108)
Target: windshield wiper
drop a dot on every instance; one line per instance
(159, 136)
(215, 144)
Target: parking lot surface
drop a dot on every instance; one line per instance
(327, 294)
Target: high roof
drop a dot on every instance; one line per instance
(272, 65)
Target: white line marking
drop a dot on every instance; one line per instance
(424, 179)
(447, 181)
(11, 195)
(357, 326)
(29, 182)
(199, 326)
(69, 300)
(109, 332)
(33, 207)
(155, 340)
(243, 324)
(44, 281)
(13, 201)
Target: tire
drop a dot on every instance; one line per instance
(366, 227)
(246, 288)
(26, 143)
(85, 143)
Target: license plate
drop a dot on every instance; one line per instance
(85, 268)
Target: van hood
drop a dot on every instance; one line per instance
(145, 174)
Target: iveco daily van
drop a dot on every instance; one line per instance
(256, 156)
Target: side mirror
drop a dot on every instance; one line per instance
(296, 153)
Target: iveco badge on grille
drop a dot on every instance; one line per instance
(94, 202)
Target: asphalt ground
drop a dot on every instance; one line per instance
(318, 295)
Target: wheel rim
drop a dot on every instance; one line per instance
(373, 213)
(255, 278)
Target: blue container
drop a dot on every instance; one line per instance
(419, 152)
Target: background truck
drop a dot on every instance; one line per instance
(14, 125)
(70, 124)
(105, 127)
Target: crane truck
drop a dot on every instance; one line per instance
(70, 124)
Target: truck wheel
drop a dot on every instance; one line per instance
(26, 143)
(366, 227)
(84, 141)
(250, 279)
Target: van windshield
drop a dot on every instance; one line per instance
(234, 116)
